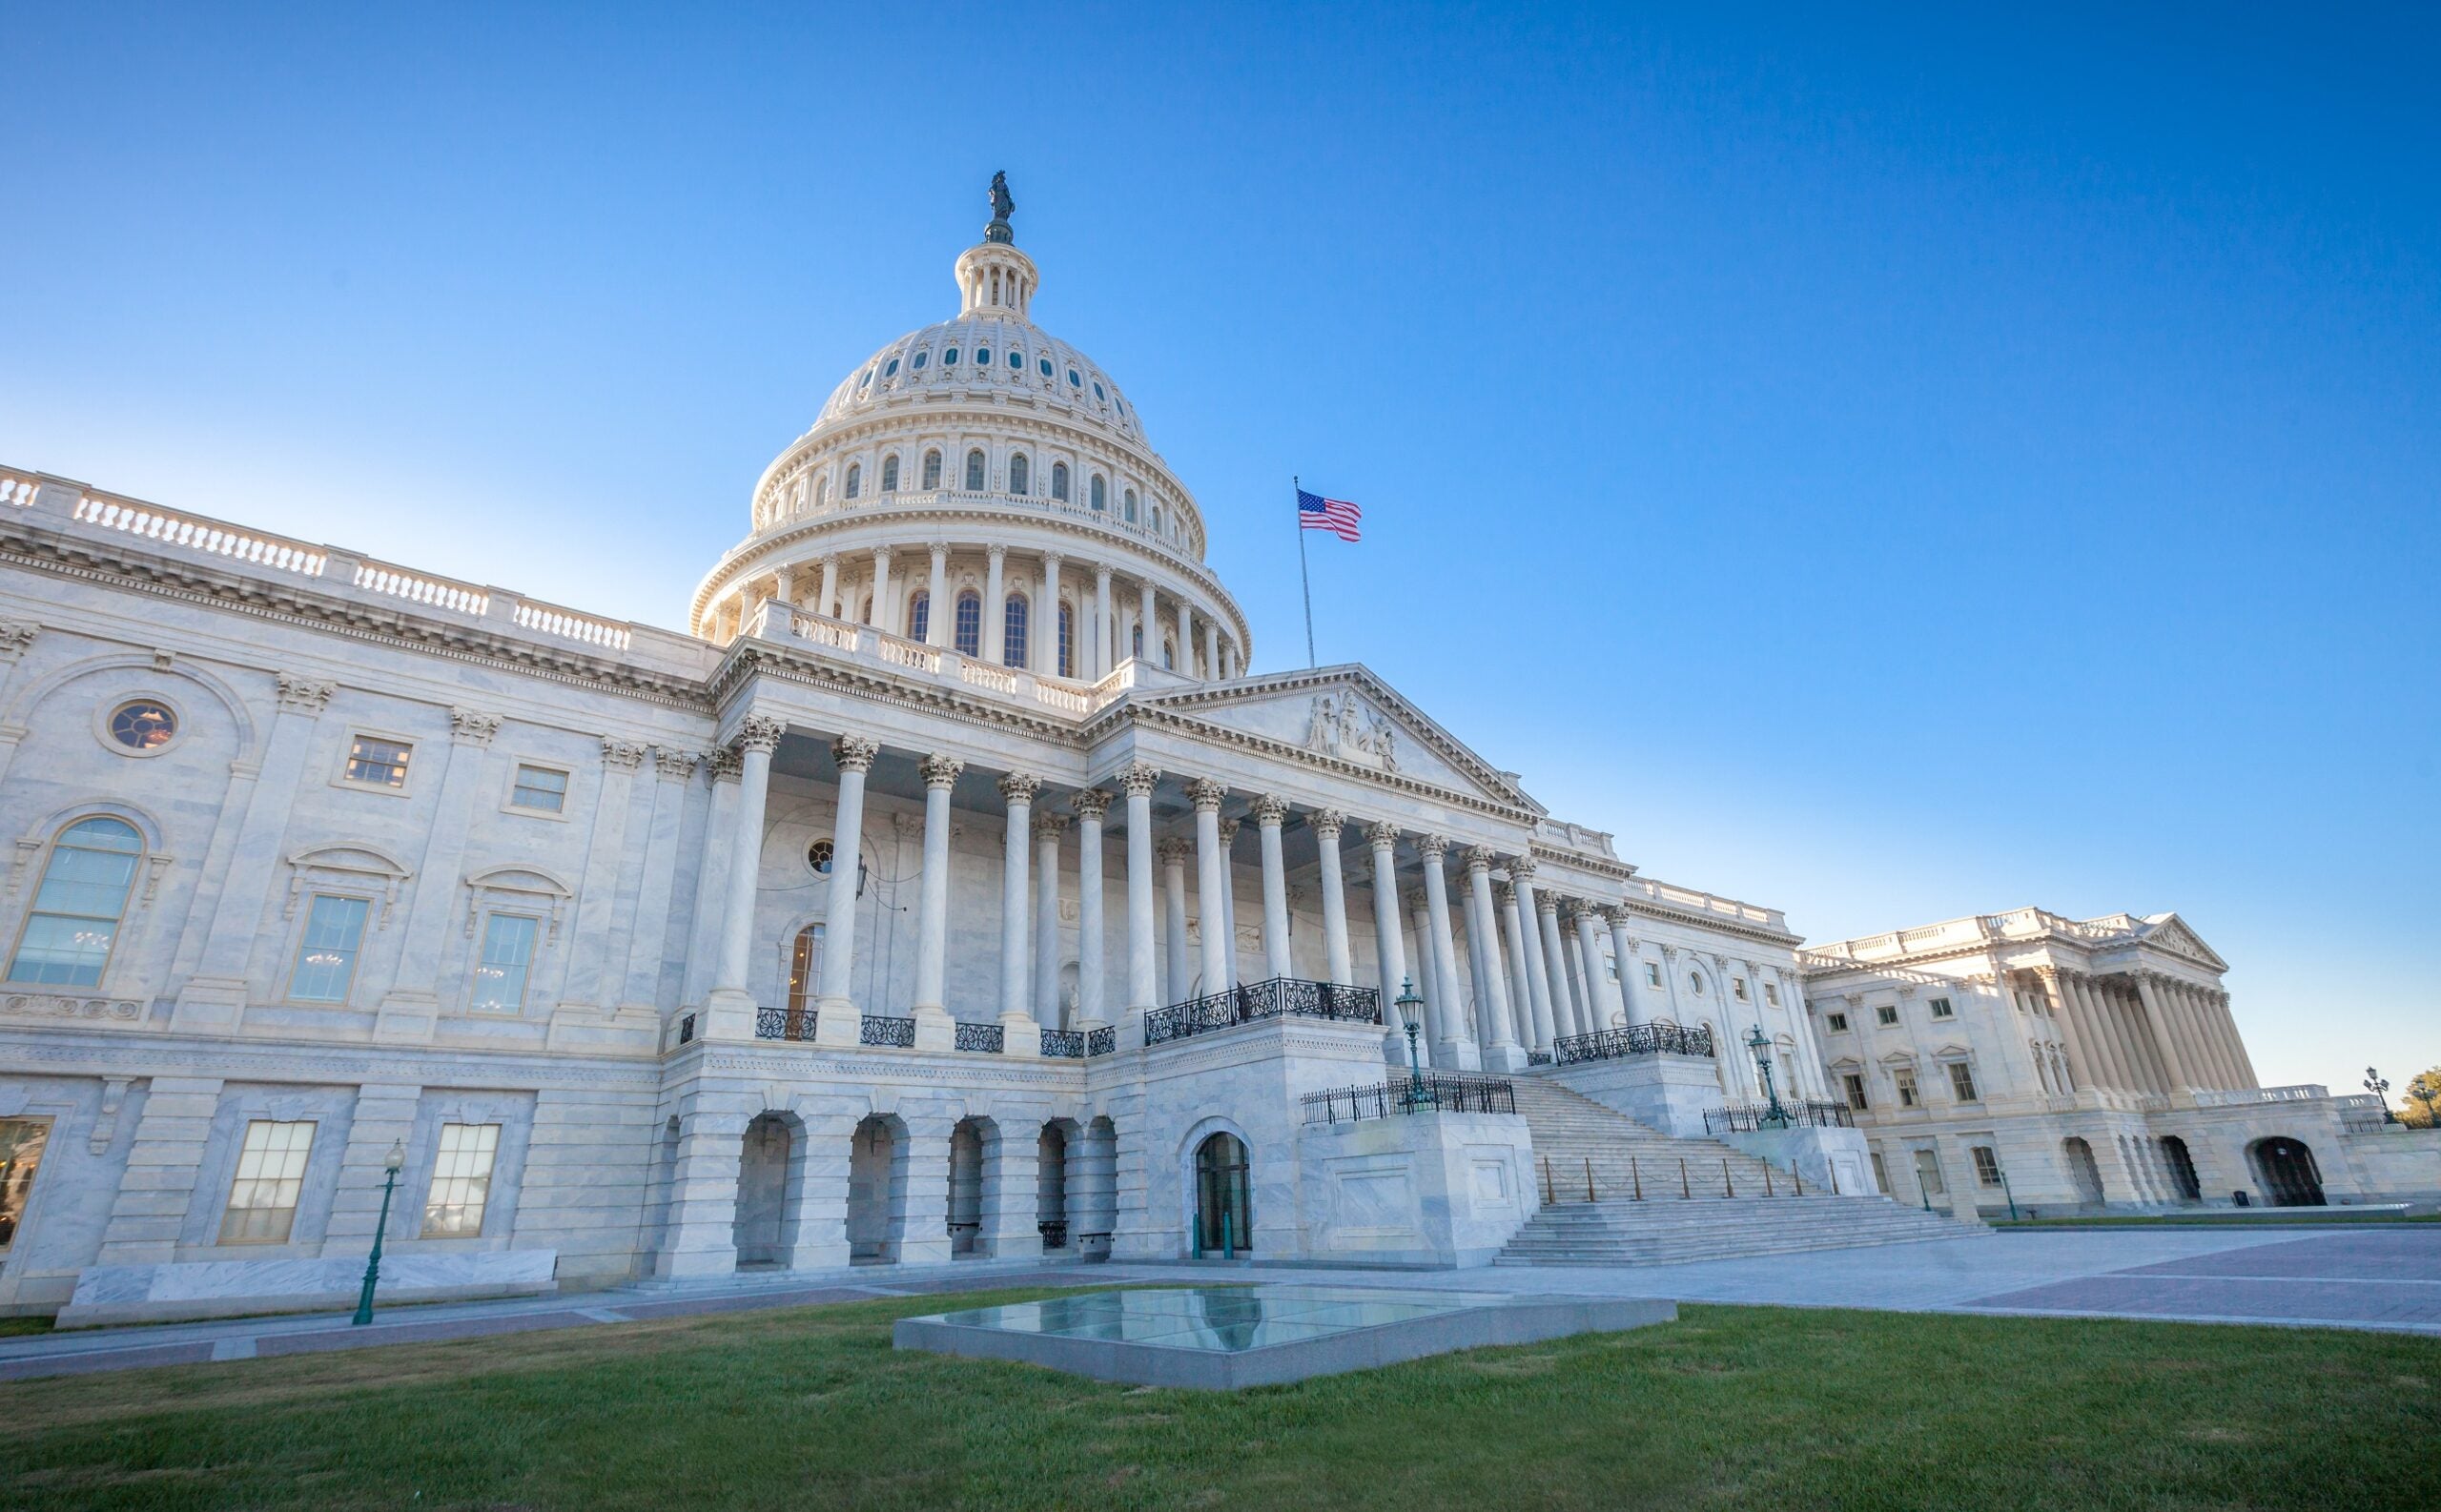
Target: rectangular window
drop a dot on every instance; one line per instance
(1856, 1084)
(1838, 1023)
(1906, 1080)
(1737, 987)
(1988, 1165)
(1928, 1172)
(326, 956)
(1652, 975)
(543, 790)
(1880, 1174)
(21, 1142)
(1940, 1008)
(378, 763)
(1962, 1080)
(508, 954)
(271, 1171)
(462, 1181)
(1886, 1014)
(1771, 994)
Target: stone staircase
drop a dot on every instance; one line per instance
(1702, 1199)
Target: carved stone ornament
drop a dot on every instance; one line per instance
(1091, 805)
(1432, 848)
(1228, 835)
(1326, 822)
(1521, 869)
(469, 726)
(1270, 810)
(1019, 787)
(1481, 858)
(1137, 778)
(940, 771)
(1206, 795)
(1380, 835)
(15, 637)
(1049, 824)
(303, 694)
(675, 763)
(1175, 852)
(727, 765)
(760, 732)
(855, 753)
(1417, 900)
(1344, 727)
(1547, 902)
(621, 755)
(1504, 893)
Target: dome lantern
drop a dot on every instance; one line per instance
(994, 277)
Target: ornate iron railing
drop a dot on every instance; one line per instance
(1427, 1091)
(1538, 1057)
(1101, 1042)
(1066, 1044)
(1754, 1120)
(1054, 1233)
(1278, 998)
(1636, 1039)
(686, 1029)
(898, 1032)
(989, 1038)
(780, 1023)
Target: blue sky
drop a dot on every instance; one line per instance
(1886, 465)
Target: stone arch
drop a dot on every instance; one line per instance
(2285, 1167)
(2184, 1177)
(770, 1189)
(2083, 1173)
(877, 1189)
(1190, 1150)
(37, 693)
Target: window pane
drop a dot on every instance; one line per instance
(1013, 632)
(541, 787)
(1962, 1080)
(381, 762)
(326, 956)
(508, 951)
(21, 1142)
(969, 629)
(462, 1180)
(77, 905)
(270, 1173)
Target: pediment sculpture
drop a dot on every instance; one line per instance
(1344, 727)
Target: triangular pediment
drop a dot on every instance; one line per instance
(1344, 717)
(2172, 933)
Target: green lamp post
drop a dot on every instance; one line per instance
(1756, 1041)
(1408, 1002)
(393, 1163)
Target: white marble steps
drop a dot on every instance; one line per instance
(1573, 1132)
(1670, 1231)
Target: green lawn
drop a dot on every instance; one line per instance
(2324, 1217)
(809, 1408)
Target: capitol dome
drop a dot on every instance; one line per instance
(983, 464)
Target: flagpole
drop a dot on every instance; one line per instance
(1303, 576)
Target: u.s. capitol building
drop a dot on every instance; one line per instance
(955, 887)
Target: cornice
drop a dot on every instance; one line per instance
(750, 658)
(1125, 714)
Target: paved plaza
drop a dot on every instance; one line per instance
(2387, 1279)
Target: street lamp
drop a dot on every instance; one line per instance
(2379, 1086)
(393, 1163)
(2427, 1089)
(1407, 1003)
(1760, 1044)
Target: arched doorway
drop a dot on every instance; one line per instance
(2182, 1163)
(2082, 1171)
(1223, 1197)
(966, 1187)
(1094, 1190)
(876, 1190)
(760, 1230)
(1051, 1150)
(2288, 1173)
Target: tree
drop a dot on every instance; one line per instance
(2423, 1099)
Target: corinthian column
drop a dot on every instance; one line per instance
(1427, 972)
(1091, 805)
(1450, 1048)
(1534, 1033)
(933, 1028)
(1042, 644)
(1589, 949)
(1175, 854)
(1389, 951)
(1269, 813)
(1548, 1024)
(840, 1021)
(1228, 903)
(1565, 1020)
(1624, 949)
(881, 591)
(1019, 1028)
(1499, 1049)
(1326, 825)
(1048, 827)
(729, 1010)
(2164, 1033)
(995, 607)
(1211, 882)
(1135, 780)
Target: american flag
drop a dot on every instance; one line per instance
(1336, 516)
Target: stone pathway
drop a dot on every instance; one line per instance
(2387, 1279)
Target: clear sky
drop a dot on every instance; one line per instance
(1885, 465)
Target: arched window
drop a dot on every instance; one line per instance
(805, 966)
(890, 370)
(1101, 494)
(78, 905)
(974, 471)
(1013, 631)
(948, 357)
(1020, 474)
(968, 629)
(919, 613)
(922, 357)
(855, 480)
(1156, 519)
(1224, 1207)
(1169, 654)
(822, 491)
(1136, 641)
(1045, 365)
(931, 470)
(1131, 506)
(1067, 638)
(1059, 480)
(1017, 361)
(983, 356)
(890, 473)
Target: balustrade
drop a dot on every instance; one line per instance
(1274, 998)
(1636, 1039)
(897, 1033)
(989, 1040)
(1754, 1119)
(1416, 1093)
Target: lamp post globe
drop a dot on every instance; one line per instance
(392, 1164)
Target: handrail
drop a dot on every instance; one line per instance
(1276, 997)
(1415, 1092)
(1636, 1039)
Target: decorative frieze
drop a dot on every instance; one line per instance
(624, 756)
(305, 695)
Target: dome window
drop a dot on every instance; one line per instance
(1073, 381)
(1020, 474)
(1101, 494)
(931, 470)
(890, 370)
(949, 358)
(983, 356)
(1013, 631)
(1131, 506)
(1059, 481)
(1097, 391)
(867, 381)
(968, 632)
(890, 473)
(1045, 365)
(974, 471)
(922, 357)
(919, 614)
(1016, 361)
(855, 480)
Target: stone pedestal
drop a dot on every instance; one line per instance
(1833, 1161)
(1667, 1092)
(1436, 1189)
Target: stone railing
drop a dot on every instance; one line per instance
(863, 643)
(1688, 900)
(2232, 1096)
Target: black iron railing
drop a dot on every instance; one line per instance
(1538, 1057)
(1636, 1039)
(1065, 1043)
(899, 1032)
(780, 1023)
(1792, 1115)
(1054, 1233)
(1101, 1041)
(1428, 1091)
(989, 1038)
(1278, 998)
(686, 1029)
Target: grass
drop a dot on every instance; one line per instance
(2325, 1218)
(811, 1409)
(19, 1328)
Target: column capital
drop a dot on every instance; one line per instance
(1481, 858)
(1504, 893)
(1380, 835)
(15, 637)
(675, 762)
(1091, 804)
(1270, 810)
(619, 755)
(940, 771)
(728, 767)
(1326, 822)
(760, 732)
(881, 555)
(1522, 868)
(1621, 917)
(1049, 824)
(1432, 848)
(940, 550)
(1415, 900)
(303, 694)
(855, 753)
(1206, 795)
(1547, 902)
(1138, 779)
(1019, 787)
(995, 553)
(469, 726)
(1102, 574)
(1174, 851)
